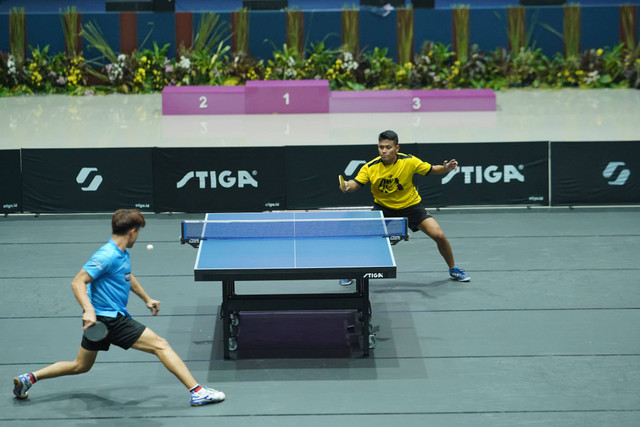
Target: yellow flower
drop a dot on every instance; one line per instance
(143, 59)
(599, 52)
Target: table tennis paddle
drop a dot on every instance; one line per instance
(341, 182)
(96, 332)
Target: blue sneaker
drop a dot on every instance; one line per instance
(21, 385)
(205, 396)
(345, 282)
(459, 275)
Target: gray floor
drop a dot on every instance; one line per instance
(544, 334)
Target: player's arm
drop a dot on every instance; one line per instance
(137, 289)
(445, 167)
(350, 186)
(79, 288)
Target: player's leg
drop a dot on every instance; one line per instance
(82, 363)
(150, 342)
(432, 229)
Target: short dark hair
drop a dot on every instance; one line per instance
(389, 135)
(124, 220)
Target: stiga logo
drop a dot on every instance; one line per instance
(373, 276)
(83, 179)
(491, 174)
(616, 173)
(353, 166)
(224, 179)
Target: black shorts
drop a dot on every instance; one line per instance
(123, 332)
(415, 214)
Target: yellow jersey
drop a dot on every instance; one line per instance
(392, 186)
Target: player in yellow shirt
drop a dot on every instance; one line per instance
(391, 178)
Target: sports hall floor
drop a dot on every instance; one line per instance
(546, 333)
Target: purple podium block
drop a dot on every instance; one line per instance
(404, 101)
(455, 100)
(287, 96)
(203, 100)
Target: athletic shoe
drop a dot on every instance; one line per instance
(21, 386)
(345, 282)
(205, 396)
(459, 275)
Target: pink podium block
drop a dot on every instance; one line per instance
(203, 100)
(287, 96)
(404, 101)
(454, 100)
(370, 101)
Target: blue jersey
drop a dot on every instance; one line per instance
(110, 269)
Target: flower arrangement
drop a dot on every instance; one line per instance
(209, 61)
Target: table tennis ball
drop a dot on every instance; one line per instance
(149, 247)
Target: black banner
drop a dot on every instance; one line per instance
(503, 173)
(219, 179)
(87, 180)
(10, 181)
(312, 175)
(595, 173)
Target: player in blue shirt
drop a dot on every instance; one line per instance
(102, 288)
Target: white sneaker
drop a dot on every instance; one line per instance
(205, 396)
(21, 385)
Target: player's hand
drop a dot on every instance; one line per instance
(450, 165)
(343, 184)
(88, 319)
(154, 306)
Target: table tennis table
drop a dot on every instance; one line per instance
(309, 245)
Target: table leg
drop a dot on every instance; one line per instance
(363, 289)
(227, 289)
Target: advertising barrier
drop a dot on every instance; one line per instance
(237, 179)
(86, 180)
(219, 179)
(595, 173)
(10, 181)
(501, 173)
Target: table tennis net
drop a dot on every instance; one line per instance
(294, 228)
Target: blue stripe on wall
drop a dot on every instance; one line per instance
(607, 22)
(325, 26)
(432, 25)
(542, 38)
(376, 31)
(159, 28)
(488, 29)
(43, 30)
(267, 30)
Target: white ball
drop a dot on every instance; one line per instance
(149, 247)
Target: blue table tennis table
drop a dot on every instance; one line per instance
(333, 249)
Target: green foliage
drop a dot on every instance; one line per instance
(435, 66)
